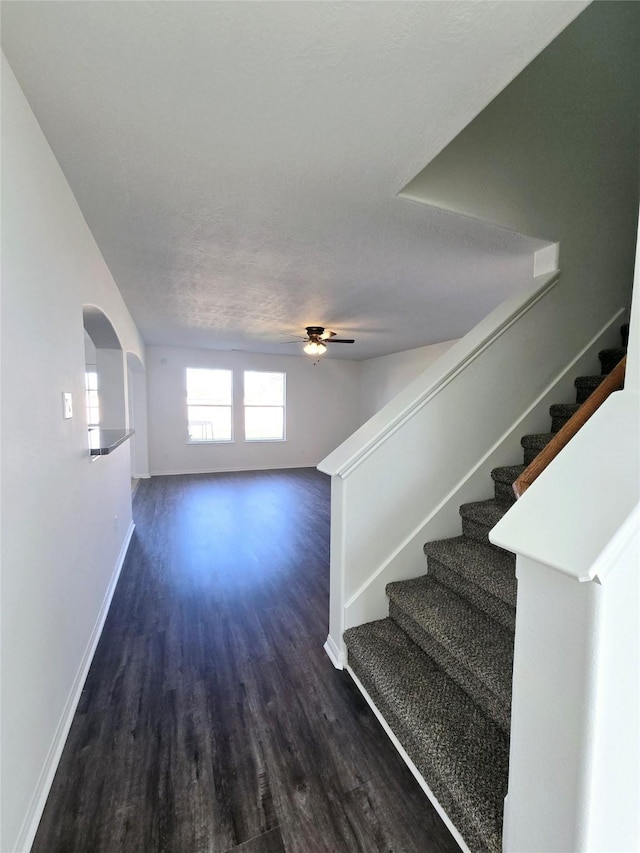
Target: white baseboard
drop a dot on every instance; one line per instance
(412, 767)
(334, 653)
(232, 470)
(38, 801)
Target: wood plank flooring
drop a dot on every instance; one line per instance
(211, 719)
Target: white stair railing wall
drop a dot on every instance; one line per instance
(399, 480)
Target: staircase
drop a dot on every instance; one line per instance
(439, 668)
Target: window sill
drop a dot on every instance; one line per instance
(196, 442)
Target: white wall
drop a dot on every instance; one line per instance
(137, 400)
(89, 351)
(322, 410)
(382, 378)
(110, 365)
(555, 156)
(61, 543)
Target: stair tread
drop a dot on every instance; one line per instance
(491, 569)
(589, 380)
(462, 755)
(536, 439)
(483, 512)
(563, 409)
(473, 649)
(507, 473)
(613, 351)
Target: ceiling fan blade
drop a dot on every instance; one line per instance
(340, 341)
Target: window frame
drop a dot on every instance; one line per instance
(90, 395)
(282, 406)
(211, 403)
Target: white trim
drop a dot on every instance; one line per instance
(335, 655)
(194, 442)
(610, 554)
(232, 470)
(412, 767)
(546, 260)
(38, 801)
(364, 441)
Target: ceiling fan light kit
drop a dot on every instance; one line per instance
(318, 337)
(315, 348)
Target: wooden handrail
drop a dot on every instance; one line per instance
(612, 382)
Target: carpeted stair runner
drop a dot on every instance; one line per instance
(439, 668)
(457, 749)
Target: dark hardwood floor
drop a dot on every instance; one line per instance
(211, 719)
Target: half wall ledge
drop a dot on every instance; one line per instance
(104, 441)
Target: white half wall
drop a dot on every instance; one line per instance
(382, 378)
(322, 410)
(65, 520)
(576, 676)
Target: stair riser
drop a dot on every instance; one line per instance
(530, 453)
(584, 391)
(477, 531)
(558, 422)
(496, 709)
(484, 601)
(624, 335)
(609, 359)
(583, 394)
(504, 494)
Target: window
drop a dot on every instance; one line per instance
(92, 404)
(209, 398)
(263, 406)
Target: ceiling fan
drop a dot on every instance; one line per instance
(318, 337)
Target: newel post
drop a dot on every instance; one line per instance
(334, 646)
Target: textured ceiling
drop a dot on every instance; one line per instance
(239, 162)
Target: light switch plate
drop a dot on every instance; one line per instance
(67, 405)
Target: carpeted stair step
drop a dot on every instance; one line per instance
(585, 386)
(533, 444)
(479, 517)
(482, 574)
(624, 335)
(609, 358)
(561, 413)
(472, 649)
(503, 480)
(461, 754)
